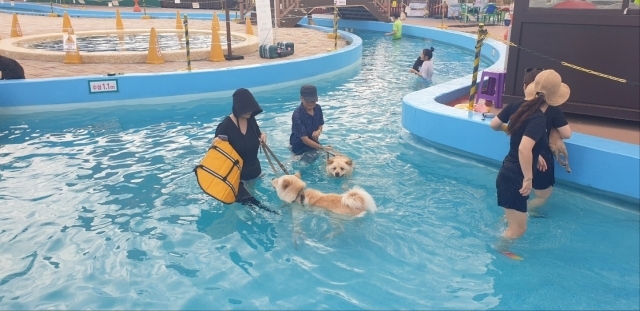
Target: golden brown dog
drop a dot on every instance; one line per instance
(559, 149)
(355, 202)
(339, 165)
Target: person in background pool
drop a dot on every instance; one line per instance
(10, 69)
(241, 130)
(544, 175)
(528, 139)
(425, 64)
(397, 27)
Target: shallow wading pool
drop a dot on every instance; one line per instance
(100, 210)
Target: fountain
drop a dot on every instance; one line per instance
(123, 46)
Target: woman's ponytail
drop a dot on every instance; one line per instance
(525, 111)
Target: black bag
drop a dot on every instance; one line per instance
(268, 51)
(284, 53)
(286, 46)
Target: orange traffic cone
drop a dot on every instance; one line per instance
(154, 55)
(72, 57)
(66, 23)
(15, 27)
(216, 54)
(119, 24)
(215, 23)
(248, 25)
(179, 25)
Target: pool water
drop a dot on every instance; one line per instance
(133, 43)
(101, 210)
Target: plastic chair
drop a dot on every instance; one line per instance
(489, 12)
(494, 88)
(467, 11)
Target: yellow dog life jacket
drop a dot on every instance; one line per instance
(219, 171)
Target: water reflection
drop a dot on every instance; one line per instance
(133, 43)
(253, 229)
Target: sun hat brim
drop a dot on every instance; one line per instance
(553, 99)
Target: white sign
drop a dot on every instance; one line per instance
(103, 86)
(417, 9)
(265, 32)
(109, 4)
(13, 3)
(195, 5)
(340, 2)
(177, 1)
(69, 43)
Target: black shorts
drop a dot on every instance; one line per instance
(508, 185)
(543, 180)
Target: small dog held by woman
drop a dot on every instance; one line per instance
(559, 149)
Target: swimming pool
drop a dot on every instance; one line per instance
(101, 210)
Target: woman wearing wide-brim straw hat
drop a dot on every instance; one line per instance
(529, 138)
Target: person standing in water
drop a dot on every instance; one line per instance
(543, 176)
(241, 130)
(397, 27)
(528, 139)
(425, 64)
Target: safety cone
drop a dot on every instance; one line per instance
(216, 54)
(179, 25)
(215, 23)
(15, 27)
(154, 55)
(66, 23)
(72, 57)
(119, 24)
(249, 27)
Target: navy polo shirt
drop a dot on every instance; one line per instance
(304, 124)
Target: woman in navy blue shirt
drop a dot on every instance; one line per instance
(527, 128)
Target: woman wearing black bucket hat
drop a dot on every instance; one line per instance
(241, 129)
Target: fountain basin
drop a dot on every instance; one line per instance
(31, 47)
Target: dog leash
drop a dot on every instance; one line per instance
(267, 152)
(329, 154)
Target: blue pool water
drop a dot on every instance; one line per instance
(100, 210)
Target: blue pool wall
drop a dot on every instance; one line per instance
(55, 94)
(599, 165)
(22, 8)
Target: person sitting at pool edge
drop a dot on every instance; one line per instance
(306, 122)
(10, 69)
(397, 27)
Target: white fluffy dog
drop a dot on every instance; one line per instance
(354, 203)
